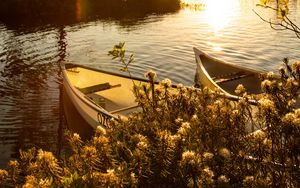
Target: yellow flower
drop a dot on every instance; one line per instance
(289, 118)
(218, 103)
(175, 138)
(44, 183)
(297, 112)
(224, 152)
(179, 120)
(150, 75)
(208, 174)
(266, 85)
(76, 136)
(291, 83)
(184, 128)
(235, 113)
(282, 70)
(166, 83)
(89, 152)
(31, 182)
(47, 158)
(268, 143)
(124, 118)
(259, 135)
(291, 103)
(110, 171)
(223, 179)
(110, 176)
(75, 139)
(100, 140)
(159, 90)
(270, 75)
(248, 180)
(158, 109)
(142, 145)
(188, 157)
(296, 66)
(207, 156)
(240, 89)
(180, 86)
(100, 131)
(267, 105)
(194, 118)
(3, 174)
(13, 164)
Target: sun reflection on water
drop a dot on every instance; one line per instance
(219, 13)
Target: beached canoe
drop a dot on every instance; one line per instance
(219, 75)
(99, 96)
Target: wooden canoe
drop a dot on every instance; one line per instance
(98, 95)
(219, 75)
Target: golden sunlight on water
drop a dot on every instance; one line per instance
(219, 13)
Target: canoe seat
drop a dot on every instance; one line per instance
(231, 77)
(124, 109)
(98, 87)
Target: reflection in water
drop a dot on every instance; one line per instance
(30, 110)
(62, 44)
(217, 14)
(220, 13)
(57, 12)
(78, 10)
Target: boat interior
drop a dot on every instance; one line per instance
(111, 92)
(229, 77)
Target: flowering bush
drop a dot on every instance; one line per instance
(183, 137)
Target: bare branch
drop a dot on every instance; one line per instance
(285, 24)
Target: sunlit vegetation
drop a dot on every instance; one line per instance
(183, 137)
(196, 5)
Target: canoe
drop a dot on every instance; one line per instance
(219, 75)
(98, 96)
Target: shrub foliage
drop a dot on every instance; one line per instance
(182, 137)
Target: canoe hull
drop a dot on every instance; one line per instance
(75, 122)
(82, 107)
(219, 75)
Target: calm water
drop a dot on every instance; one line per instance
(31, 112)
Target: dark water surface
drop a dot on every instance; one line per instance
(31, 110)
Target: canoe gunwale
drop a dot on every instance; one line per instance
(201, 71)
(73, 65)
(200, 67)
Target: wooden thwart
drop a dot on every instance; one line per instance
(98, 87)
(231, 77)
(124, 109)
